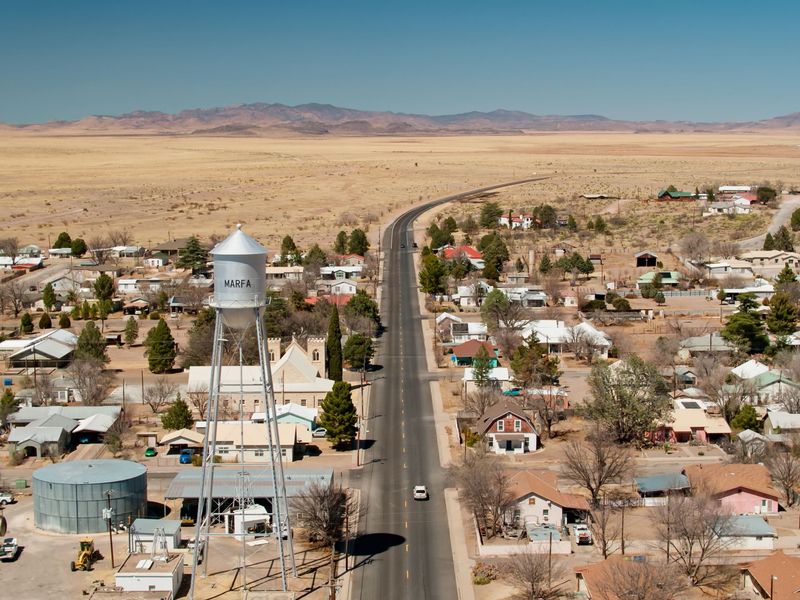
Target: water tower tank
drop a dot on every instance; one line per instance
(239, 278)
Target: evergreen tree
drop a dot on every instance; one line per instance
(765, 195)
(86, 311)
(746, 418)
(45, 322)
(131, 331)
(8, 406)
(784, 240)
(315, 257)
(659, 298)
(532, 366)
(600, 225)
(49, 296)
(178, 415)
(63, 240)
(440, 237)
(782, 316)
(339, 416)
(744, 328)
(78, 247)
(64, 322)
(481, 367)
(490, 215)
(103, 287)
(432, 275)
(658, 281)
(160, 348)
(590, 224)
(340, 245)
(572, 224)
(358, 351)
(449, 225)
(545, 265)
(786, 276)
(91, 344)
(288, 250)
(795, 222)
(362, 305)
(469, 225)
(77, 313)
(358, 243)
(194, 256)
(769, 242)
(334, 346)
(26, 323)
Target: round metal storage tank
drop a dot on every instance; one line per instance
(240, 280)
(69, 497)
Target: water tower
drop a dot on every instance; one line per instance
(238, 301)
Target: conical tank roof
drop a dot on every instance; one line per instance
(238, 244)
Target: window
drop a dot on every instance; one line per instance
(271, 356)
(303, 402)
(222, 450)
(546, 514)
(258, 452)
(532, 500)
(517, 425)
(283, 452)
(501, 425)
(315, 355)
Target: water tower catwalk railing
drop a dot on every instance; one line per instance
(236, 313)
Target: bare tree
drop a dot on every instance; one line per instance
(484, 485)
(481, 399)
(120, 237)
(694, 530)
(548, 403)
(198, 397)
(595, 464)
(534, 573)
(90, 380)
(507, 341)
(732, 281)
(789, 398)
(45, 389)
(638, 580)
(15, 295)
(191, 296)
(99, 247)
(552, 287)
(322, 510)
(665, 350)
(606, 528)
(695, 246)
(728, 394)
(10, 247)
(158, 394)
(580, 344)
(725, 248)
(785, 470)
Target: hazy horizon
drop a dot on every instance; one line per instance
(706, 62)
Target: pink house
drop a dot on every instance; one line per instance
(740, 488)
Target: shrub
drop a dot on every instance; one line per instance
(621, 304)
(154, 316)
(594, 305)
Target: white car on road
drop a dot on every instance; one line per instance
(420, 492)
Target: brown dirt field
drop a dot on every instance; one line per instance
(160, 186)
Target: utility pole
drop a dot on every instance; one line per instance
(550, 561)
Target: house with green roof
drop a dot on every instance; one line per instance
(675, 195)
(668, 279)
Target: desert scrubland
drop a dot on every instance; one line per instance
(160, 186)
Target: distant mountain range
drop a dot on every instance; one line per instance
(324, 119)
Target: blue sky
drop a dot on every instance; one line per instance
(697, 60)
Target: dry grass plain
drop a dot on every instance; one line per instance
(160, 186)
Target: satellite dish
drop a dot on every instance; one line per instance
(3, 526)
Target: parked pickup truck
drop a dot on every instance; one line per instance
(6, 498)
(582, 534)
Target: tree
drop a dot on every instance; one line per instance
(495, 252)
(340, 245)
(159, 393)
(358, 243)
(90, 380)
(498, 312)
(532, 366)
(744, 328)
(483, 483)
(769, 242)
(194, 256)
(490, 215)
(131, 333)
(358, 351)
(639, 580)
(100, 248)
(315, 259)
(545, 265)
(606, 529)
(160, 346)
(78, 247)
(695, 246)
(600, 225)
(782, 316)
(595, 464)
(64, 322)
(786, 275)
(659, 298)
(572, 224)
(91, 344)
(63, 240)
(333, 347)
(8, 406)
(746, 418)
(695, 532)
(198, 398)
(432, 275)
(178, 415)
(628, 400)
(322, 510)
(86, 311)
(339, 415)
(449, 225)
(481, 368)
(784, 240)
(785, 470)
(15, 294)
(26, 323)
(481, 399)
(765, 194)
(534, 573)
(362, 305)
(48, 297)
(45, 322)
(795, 221)
(103, 287)
(469, 225)
(439, 237)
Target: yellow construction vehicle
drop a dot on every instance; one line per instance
(86, 556)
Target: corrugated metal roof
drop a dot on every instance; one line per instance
(662, 483)
(238, 244)
(90, 471)
(187, 483)
(149, 526)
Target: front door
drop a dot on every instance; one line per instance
(509, 446)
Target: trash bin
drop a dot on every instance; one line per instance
(20, 484)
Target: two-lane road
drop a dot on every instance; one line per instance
(403, 549)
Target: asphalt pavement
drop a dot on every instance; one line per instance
(403, 546)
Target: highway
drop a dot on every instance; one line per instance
(403, 546)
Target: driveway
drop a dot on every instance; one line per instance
(788, 205)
